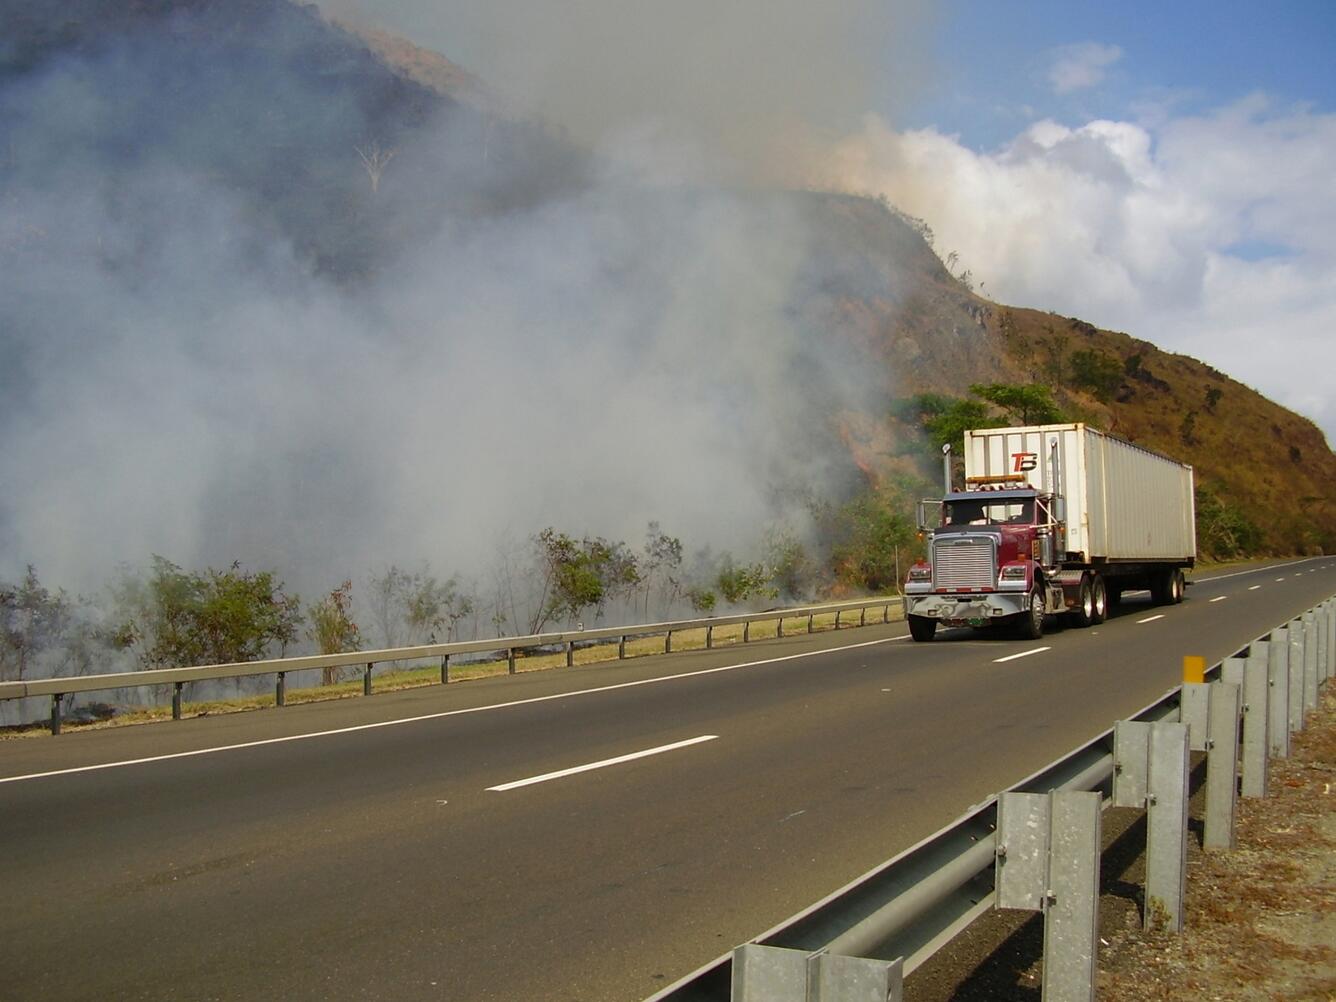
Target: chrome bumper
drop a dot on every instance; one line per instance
(967, 610)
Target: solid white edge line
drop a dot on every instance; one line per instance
(445, 713)
(601, 764)
(1022, 654)
(1219, 598)
(1256, 570)
(1150, 619)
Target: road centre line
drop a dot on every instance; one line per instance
(1022, 654)
(1254, 587)
(1219, 598)
(445, 713)
(1150, 619)
(560, 773)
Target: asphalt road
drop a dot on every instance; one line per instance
(414, 845)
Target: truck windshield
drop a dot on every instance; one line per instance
(1013, 511)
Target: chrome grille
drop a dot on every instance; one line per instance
(963, 562)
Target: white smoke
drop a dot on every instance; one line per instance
(180, 381)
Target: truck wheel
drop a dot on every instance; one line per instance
(1161, 588)
(1099, 600)
(1176, 586)
(1032, 621)
(1084, 613)
(921, 628)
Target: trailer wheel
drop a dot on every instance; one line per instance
(921, 628)
(1032, 621)
(1084, 613)
(1099, 600)
(1176, 586)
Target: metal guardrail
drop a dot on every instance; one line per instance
(59, 687)
(903, 911)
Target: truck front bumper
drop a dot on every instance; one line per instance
(973, 609)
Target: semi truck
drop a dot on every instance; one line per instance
(1057, 519)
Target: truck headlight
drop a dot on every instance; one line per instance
(1012, 576)
(920, 572)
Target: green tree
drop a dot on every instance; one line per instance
(33, 620)
(739, 582)
(945, 419)
(181, 618)
(332, 627)
(791, 569)
(1224, 531)
(1022, 405)
(871, 532)
(661, 565)
(1096, 371)
(580, 574)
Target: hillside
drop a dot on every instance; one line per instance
(927, 333)
(295, 117)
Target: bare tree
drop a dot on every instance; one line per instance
(375, 160)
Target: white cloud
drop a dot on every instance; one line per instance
(1137, 228)
(1076, 67)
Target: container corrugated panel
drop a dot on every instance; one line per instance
(1123, 502)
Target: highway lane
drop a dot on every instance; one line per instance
(377, 863)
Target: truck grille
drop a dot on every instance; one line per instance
(964, 562)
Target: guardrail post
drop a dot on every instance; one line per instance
(445, 669)
(176, 700)
(55, 712)
(1320, 624)
(774, 974)
(1310, 663)
(886, 613)
(510, 661)
(1331, 639)
(811, 616)
(1167, 827)
(1278, 677)
(1048, 848)
(281, 690)
(668, 642)
(570, 653)
(838, 612)
(1256, 695)
(779, 627)
(1194, 712)
(862, 617)
(709, 638)
(621, 647)
(1222, 757)
(366, 680)
(1296, 635)
(746, 631)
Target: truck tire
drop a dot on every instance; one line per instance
(1084, 613)
(1032, 620)
(921, 628)
(1099, 599)
(1176, 584)
(1167, 588)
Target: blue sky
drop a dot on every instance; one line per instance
(992, 61)
(1168, 170)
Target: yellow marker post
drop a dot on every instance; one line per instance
(1194, 668)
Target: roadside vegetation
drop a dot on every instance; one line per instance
(163, 614)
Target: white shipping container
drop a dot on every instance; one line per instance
(1124, 503)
